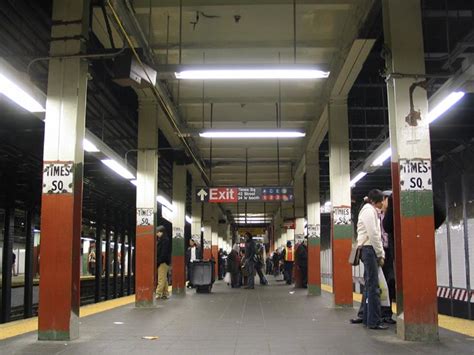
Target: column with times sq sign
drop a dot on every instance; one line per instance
(147, 188)
(415, 254)
(341, 224)
(179, 215)
(61, 206)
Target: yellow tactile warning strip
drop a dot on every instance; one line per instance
(12, 329)
(458, 325)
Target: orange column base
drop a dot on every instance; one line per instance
(145, 267)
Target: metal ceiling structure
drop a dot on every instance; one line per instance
(211, 32)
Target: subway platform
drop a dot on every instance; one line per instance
(275, 319)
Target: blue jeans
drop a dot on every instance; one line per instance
(251, 273)
(372, 313)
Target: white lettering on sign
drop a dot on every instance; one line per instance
(145, 217)
(415, 175)
(314, 230)
(341, 215)
(58, 178)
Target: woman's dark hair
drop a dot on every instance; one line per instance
(375, 196)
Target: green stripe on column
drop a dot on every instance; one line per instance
(178, 247)
(343, 231)
(314, 242)
(314, 290)
(416, 203)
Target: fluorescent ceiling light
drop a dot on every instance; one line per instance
(188, 219)
(118, 168)
(357, 178)
(245, 74)
(19, 96)
(252, 134)
(162, 200)
(445, 105)
(89, 146)
(387, 153)
(134, 182)
(202, 229)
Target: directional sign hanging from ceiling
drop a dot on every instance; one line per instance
(244, 194)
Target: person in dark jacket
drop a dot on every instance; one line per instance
(276, 263)
(250, 250)
(302, 261)
(259, 264)
(233, 266)
(220, 264)
(163, 261)
(193, 253)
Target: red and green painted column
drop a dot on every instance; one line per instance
(196, 218)
(215, 240)
(147, 188)
(411, 174)
(314, 223)
(341, 224)
(207, 240)
(179, 206)
(61, 208)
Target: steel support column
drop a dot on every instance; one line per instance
(207, 241)
(61, 208)
(214, 239)
(107, 257)
(98, 256)
(115, 255)
(314, 223)
(299, 208)
(196, 207)
(179, 206)
(147, 188)
(30, 241)
(131, 228)
(411, 159)
(8, 240)
(122, 259)
(341, 228)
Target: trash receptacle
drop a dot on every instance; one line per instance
(203, 275)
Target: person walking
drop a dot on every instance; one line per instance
(302, 261)
(233, 266)
(276, 262)
(250, 256)
(193, 253)
(163, 261)
(369, 239)
(289, 258)
(260, 264)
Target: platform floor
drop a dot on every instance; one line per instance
(275, 319)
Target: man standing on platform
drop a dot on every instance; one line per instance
(250, 250)
(192, 254)
(289, 258)
(163, 253)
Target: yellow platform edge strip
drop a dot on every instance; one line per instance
(457, 325)
(12, 329)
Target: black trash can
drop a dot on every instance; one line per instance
(203, 275)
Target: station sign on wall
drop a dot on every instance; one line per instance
(58, 177)
(244, 194)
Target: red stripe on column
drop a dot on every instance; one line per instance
(207, 254)
(215, 251)
(397, 234)
(145, 264)
(314, 265)
(419, 293)
(178, 273)
(57, 287)
(342, 272)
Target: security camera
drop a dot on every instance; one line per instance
(236, 18)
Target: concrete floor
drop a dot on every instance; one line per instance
(275, 319)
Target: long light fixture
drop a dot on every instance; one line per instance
(445, 105)
(252, 134)
(118, 168)
(19, 96)
(134, 182)
(378, 161)
(89, 146)
(252, 74)
(357, 178)
(164, 202)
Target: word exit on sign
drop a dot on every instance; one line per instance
(244, 194)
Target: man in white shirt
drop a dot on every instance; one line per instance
(192, 254)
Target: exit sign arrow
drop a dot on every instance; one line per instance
(202, 194)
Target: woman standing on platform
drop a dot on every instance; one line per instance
(369, 239)
(233, 266)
